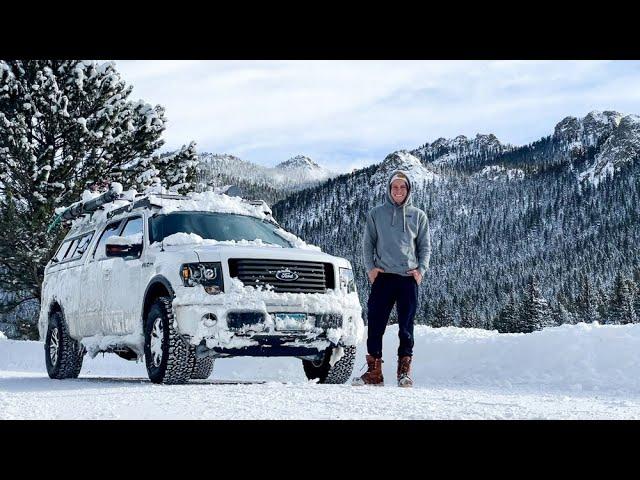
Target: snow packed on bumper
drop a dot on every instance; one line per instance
(193, 303)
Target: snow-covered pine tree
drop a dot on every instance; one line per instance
(566, 310)
(560, 315)
(468, 318)
(63, 125)
(632, 311)
(621, 310)
(636, 301)
(175, 171)
(604, 303)
(442, 316)
(178, 169)
(535, 312)
(587, 301)
(507, 319)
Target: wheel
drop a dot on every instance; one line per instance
(166, 352)
(202, 367)
(63, 354)
(340, 372)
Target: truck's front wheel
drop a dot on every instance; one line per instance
(339, 372)
(63, 354)
(166, 353)
(202, 367)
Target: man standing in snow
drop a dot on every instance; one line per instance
(396, 249)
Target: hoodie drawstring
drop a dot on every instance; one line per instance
(404, 219)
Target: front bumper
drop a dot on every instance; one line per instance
(261, 345)
(249, 321)
(279, 331)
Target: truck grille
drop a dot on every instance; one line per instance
(312, 277)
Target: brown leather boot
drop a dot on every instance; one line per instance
(373, 375)
(404, 370)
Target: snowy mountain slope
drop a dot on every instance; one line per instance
(587, 131)
(403, 160)
(294, 174)
(621, 147)
(303, 170)
(461, 150)
(496, 172)
(499, 218)
(576, 372)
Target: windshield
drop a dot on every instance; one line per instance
(214, 226)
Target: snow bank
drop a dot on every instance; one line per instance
(578, 357)
(583, 357)
(2, 336)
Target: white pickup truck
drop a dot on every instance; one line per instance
(182, 280)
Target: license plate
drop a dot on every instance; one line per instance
(290, 321)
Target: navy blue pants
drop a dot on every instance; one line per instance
(389, 289)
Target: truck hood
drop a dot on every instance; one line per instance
(216, 253)
(222, 253)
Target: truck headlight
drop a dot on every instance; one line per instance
(209, 275)
(347, 282)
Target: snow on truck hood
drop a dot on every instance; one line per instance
(252, 249)
(195, 239)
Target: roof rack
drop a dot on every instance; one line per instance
(114, 193)
(89, 206)
(81, 208)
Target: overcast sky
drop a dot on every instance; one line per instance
(348, 114)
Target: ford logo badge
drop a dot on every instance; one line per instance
(286, 275)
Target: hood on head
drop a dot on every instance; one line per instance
(407, 201)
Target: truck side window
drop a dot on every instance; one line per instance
(71, 250)
(133, 227)
(83, 245)
(133, 230)
(62, 250)
(111, 230)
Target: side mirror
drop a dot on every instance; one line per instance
(124, 246)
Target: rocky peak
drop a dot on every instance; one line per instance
(589, 130)
(450, 151)
(622, 146)
(205, 156)
(401, 160)
(406, 161)
(299, 161)
(568, 128)
(488, 141)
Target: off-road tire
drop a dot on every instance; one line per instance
(325, 373)
(175, 364)
(202, 367)
(67, 360)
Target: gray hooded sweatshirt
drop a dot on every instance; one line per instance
(397, 237)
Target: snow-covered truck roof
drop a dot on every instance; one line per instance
(98, 207)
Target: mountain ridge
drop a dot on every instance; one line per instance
(553, 209)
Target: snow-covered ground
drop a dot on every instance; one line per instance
(573, 372)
